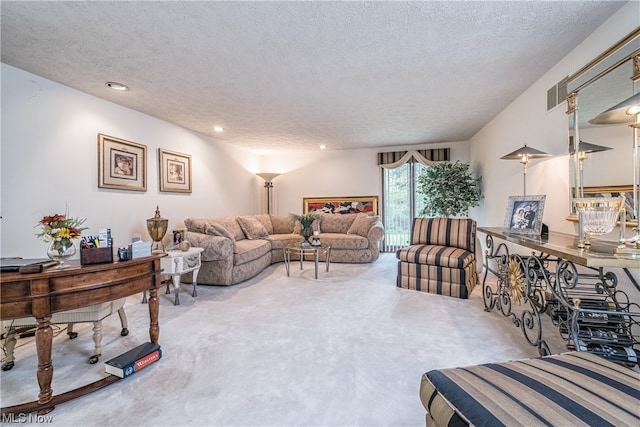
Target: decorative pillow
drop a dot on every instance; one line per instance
(214, 229)
(265, 221)
(253, 229)
(199, 225)
(362, 224)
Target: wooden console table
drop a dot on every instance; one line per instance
(52, 291)
(547, 281)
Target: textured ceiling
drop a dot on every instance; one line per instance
(294, 75)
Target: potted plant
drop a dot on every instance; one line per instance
(307, 221)
(448, 189)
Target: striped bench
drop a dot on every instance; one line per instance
(569, 389)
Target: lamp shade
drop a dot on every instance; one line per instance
(587, 147)
(619, 113)
(525, 153)
(268, 177)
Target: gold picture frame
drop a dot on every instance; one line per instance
(175, 171)
(610, 191)
(122, 165)
(341, 205)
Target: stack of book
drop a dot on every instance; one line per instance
(133, 360)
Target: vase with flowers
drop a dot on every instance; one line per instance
(307, 221)
(60, 231)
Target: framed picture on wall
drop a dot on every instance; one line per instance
(341, 205)
(524, 215)
(122, 165)
(175, 171)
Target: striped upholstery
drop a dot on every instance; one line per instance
(570, 389)
(441, 259)
(455, 232)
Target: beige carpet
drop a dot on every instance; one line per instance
(347, 349)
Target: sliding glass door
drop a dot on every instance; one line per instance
(401, 203)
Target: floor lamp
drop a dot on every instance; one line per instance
(268, 184)
(627, 112)
(525, 154)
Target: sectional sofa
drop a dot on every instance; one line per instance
(237, 248)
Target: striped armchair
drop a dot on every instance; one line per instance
(441, 258)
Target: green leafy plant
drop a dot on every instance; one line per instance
(306, 220)
(449, 189)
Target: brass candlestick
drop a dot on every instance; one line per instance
(157, 228)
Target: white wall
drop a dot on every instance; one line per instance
(331, 173)
(49, 160)
(526, 121)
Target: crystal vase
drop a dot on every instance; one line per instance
(61, 251)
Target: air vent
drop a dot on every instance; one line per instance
(557, 94)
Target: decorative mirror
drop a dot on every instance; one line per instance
(603, 144)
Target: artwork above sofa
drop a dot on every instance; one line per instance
(237, 248)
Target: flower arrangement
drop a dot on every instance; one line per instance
(306, 220)
(60, 230)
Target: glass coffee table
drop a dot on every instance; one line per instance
(301, 251)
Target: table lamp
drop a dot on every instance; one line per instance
(157, 228)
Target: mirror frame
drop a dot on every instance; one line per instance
(626, 49)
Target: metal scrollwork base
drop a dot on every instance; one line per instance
(523, 282)
(590, 313)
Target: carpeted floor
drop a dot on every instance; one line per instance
(347, 349)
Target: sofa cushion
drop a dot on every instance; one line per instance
(344, 241)
(442, 256)
(249, 250)
(265, 220)
(336, 223)
(362, 224)
(282, 224)
(230, 223)
(214, 229)
(279, 241)
(252, 228)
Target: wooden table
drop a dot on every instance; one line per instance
(42, 294)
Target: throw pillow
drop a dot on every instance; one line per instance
(214, 229)
(253, 229)
(362, 224)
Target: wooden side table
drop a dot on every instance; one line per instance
(177, 263)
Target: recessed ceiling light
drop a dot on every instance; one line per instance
(323, 147)
(116, 86)
(218, 128)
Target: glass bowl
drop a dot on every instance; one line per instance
(598, 214)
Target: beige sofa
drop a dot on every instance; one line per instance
(237, 248)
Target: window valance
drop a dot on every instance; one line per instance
(394, 159)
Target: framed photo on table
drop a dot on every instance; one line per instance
(341, 205)
(175, 171)
(122, 165)
(524, 215)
